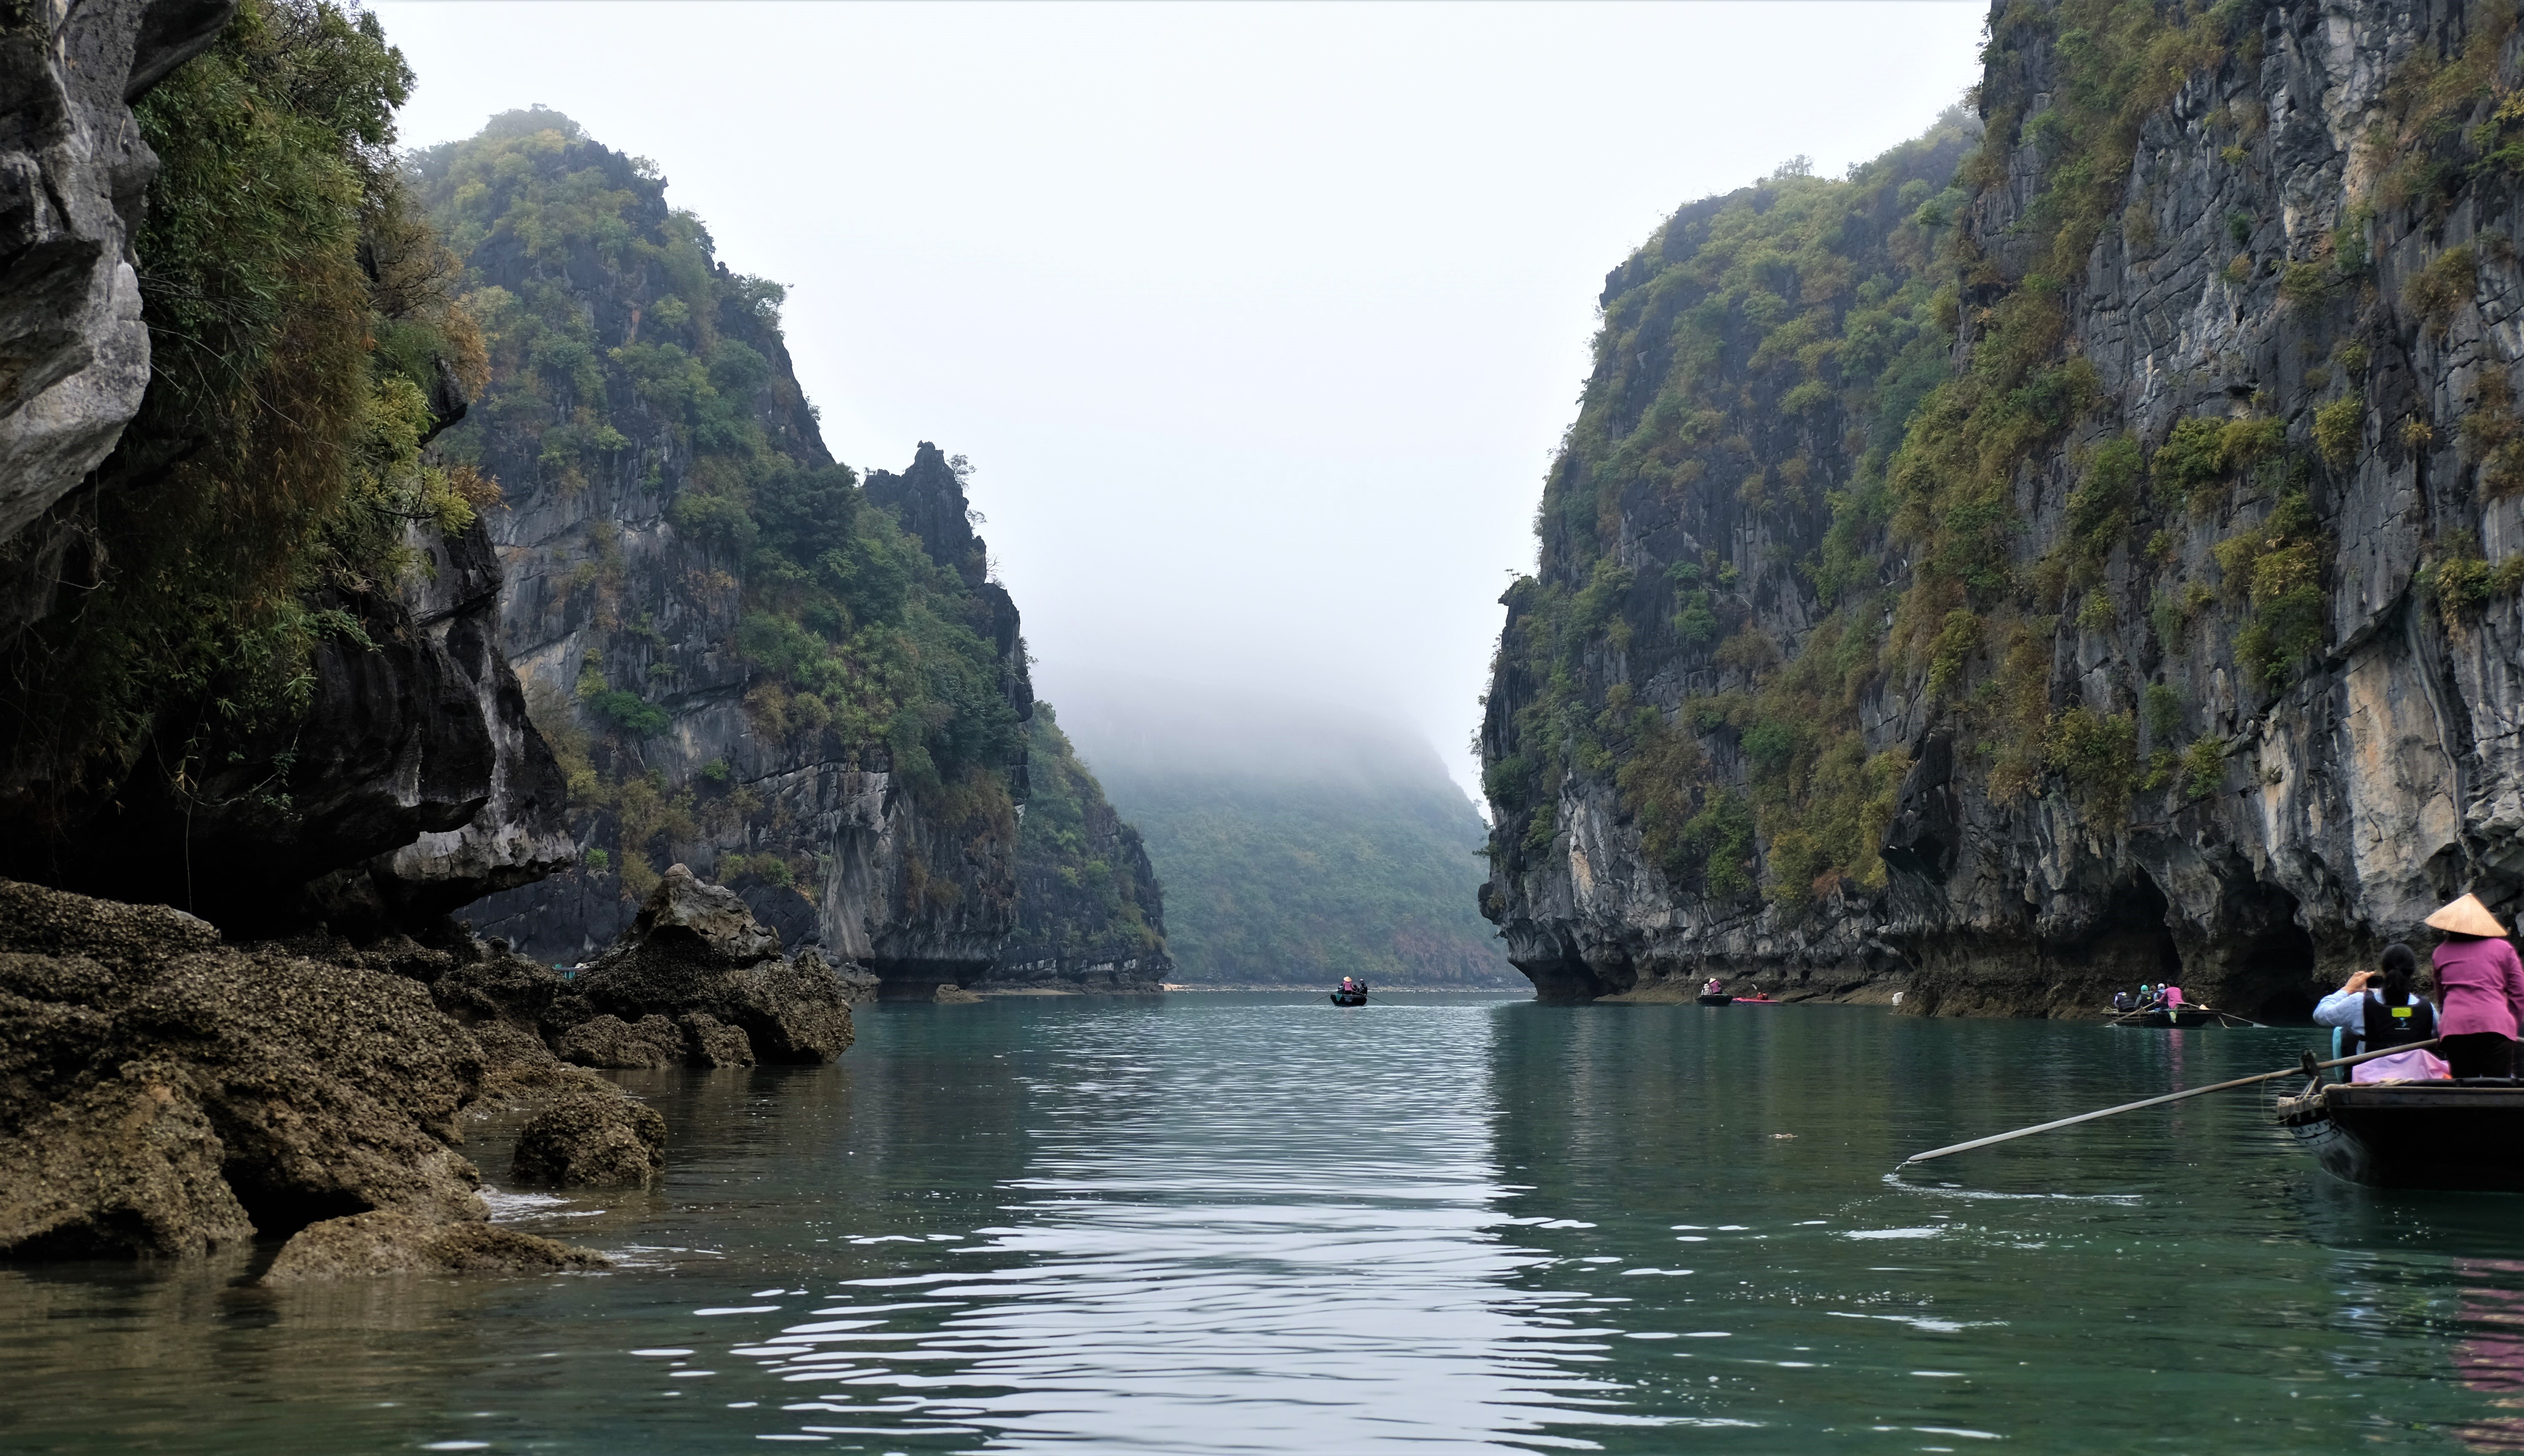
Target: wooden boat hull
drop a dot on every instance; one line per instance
(1716, 998)
(2187, 1017)
(1340, 999)
(2455, 1136)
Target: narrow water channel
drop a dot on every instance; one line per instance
(1258, 1224)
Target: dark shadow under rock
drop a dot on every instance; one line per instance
(592, 1139)
(367, 1244)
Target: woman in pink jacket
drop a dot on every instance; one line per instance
(2482, 982)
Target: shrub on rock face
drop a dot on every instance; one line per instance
(592, 1139)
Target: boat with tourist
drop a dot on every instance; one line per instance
(2165, 1009)
(2454, 1136)
(1714, 992)
(2179, 1017)
(1350, 993)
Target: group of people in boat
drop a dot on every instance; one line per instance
(2478, 974)
(2149, 997)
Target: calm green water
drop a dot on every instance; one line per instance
(1257, 1224)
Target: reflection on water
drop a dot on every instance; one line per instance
(1258, 1224)
(2491, 1357)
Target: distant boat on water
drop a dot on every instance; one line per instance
(2186, 1015)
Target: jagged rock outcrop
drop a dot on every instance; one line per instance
(616, 1045)
(592, 1139)
(365, 1245)
(411, 783)
(2173, 635)
(698, 979)
(1091, 915)
(73, 173)
(519, 833)
(164, 1094)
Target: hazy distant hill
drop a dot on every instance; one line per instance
(1295, 842)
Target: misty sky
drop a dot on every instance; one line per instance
(1258, 322)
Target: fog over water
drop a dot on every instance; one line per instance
(1259, 322)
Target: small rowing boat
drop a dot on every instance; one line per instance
(2463, 1136)
(1349, 998)
(2184, 1016)
(1716, 998)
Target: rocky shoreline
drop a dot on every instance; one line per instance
(166, 1093)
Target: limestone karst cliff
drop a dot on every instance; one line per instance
(74, 349)
(1090, 912)
(752, 660)
(245, 619)
(2077, 548)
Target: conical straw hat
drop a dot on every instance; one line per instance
(2467, 916)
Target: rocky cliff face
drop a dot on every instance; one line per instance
(73, 173)
(753, 663)
(2101, 568)
(1089, 913)
(247, 630)
(410, 783)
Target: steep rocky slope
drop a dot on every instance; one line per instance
(806, 685)
(1088, 909)
(2086, 559)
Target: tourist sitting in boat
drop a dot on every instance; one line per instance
(2120, 1002)
(2482, 983)
(2371, 1018)
(1715, 987)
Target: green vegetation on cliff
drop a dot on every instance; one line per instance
(1839, 452)
(1758, 363)
(303, 335)
(1086, 893)
(623, 356)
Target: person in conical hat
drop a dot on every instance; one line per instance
(2466, 916)
(2483, 983)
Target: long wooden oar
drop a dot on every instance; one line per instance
(2302, 1069)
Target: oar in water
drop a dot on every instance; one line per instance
(2304, 1068)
